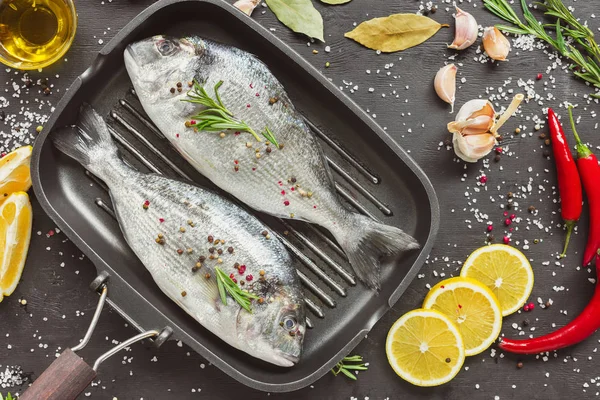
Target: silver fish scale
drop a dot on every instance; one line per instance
(263, 183)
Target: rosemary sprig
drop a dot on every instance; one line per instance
(345, 369)
(228, 286)
(585, 66)
(216, 117)
(8, 397)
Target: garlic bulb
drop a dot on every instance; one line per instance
(495, 44)
(474, 131)
(466, 30)
(445, 84)
(246, 6)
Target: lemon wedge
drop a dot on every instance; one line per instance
(15, 234)
(505, 270)
(15, 175)
(425, 348)
(472, 306)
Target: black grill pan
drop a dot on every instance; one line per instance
(373, 174)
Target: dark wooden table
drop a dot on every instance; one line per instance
(55, 280)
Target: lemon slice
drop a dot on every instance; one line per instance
(505, 270)
(15, 174)
(425, 348)
(472, 306)
(15, 233)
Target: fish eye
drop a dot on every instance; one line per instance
(290, 323)
(165, 47)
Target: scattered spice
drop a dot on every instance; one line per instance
(183, 294)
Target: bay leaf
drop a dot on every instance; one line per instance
(395, 33)
(299, 15)
(335, 1)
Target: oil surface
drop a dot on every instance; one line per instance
(34, 31)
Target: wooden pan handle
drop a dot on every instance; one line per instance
(64, 379)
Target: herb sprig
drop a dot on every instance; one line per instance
(345, 369)
(570, 34)
(228, 286)
(8, 397)
(216, 117)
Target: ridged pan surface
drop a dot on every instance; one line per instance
(373, 175)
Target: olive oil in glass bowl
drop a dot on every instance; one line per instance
(35, 33)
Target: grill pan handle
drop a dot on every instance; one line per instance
(64, 379)
(69, 374)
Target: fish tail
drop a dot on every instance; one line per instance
(366, 242)
(89, 142)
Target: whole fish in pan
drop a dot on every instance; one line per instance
(185, 235)
(269, 158)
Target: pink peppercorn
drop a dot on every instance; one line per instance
(283, 192)
(249, 278)
(483, 179)
(531, 306)
(513, 216)
(490, 228)
(498, 150)
(286, 203)
(526, 307)
(242, 269)
(161, 220)
(539, 76)
(507, 221)
(506, 240)
(505, 213)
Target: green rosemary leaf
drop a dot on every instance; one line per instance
(356, 367)
(512, 29)
(348, 374)
(353, 358)
(268, 134)
(560, 40)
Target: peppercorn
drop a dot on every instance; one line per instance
(236, 265)
(497, 157)
(180, 251)
(190, 223)
(448, 360)
(172, 90)
(210, 239)
(264, 233)
(39, 128)
(293, 179)
(548, 304)
(517, 131)
(490, 238)
(542, 136)
(248, 144)
(179, 84)
(47, 91)
(207, 275)
(499, 138)
(220, 260)
(179, 89)
(183, 294)
(261, 300)
(273, 100)
(201, 259)
(531, 209)
(526, 322)
(510, 195)
(519, 365)
(222, 135)
(236, 168)
(433, 9)
(269, 149)
(211, 250)
(261, 272)
(230, 249)
(280, 146)
(28, 83)
(189, 250)
(220, 251)
(547, 142)
(181, 229)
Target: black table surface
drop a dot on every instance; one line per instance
(55, 281)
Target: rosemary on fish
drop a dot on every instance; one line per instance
(345, 369)
(586, 62)
(228, 286)
(216, 117)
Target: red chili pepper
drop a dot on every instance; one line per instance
(569, 183)
(576, 331)
(589, 170)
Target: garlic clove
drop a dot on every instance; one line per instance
(445, 84)
(473, 147)
(246, 6)
(495, 44)
(474, 117)
(466, 30)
